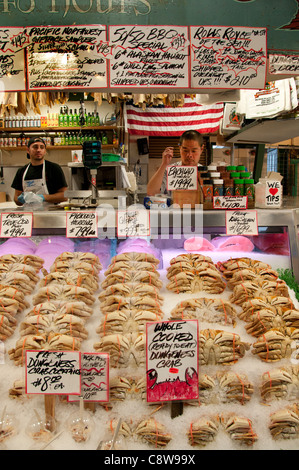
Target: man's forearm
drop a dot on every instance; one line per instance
(154, 184)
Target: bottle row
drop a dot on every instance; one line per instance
(60, 138)
(62, 119)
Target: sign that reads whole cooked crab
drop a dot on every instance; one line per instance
(53, 372)
(172, 360)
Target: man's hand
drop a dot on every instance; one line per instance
(167, 156)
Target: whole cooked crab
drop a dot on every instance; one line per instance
(284, 423)
(63, 292)
(281, 383)
(208, 280)
(275, 304)
(204, 309)
(259, 288)
(275, 345)
(220, 347)
(123, 276)
(233, 265)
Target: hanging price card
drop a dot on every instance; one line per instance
(16, 224)
(182, 177)
(81, 224)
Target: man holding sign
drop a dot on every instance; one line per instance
(41, 180)
(191, 147)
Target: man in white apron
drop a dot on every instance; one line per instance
(41, 180)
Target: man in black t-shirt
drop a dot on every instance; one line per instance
(41, 177)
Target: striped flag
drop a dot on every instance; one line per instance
(169, 121)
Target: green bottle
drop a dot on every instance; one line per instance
(65, 120)
(71, 118)
(104, 139)
(61, 118)
(76, 118)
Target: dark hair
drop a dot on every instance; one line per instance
(191, 135)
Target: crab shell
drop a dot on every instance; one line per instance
(132, 290)
(191, 258)
(239, 429)
(274, 345)
(235, 387)
(34, 342)
(203, 430)
(63, 292)
(275, 304)
(11, 292)
(130, 276)
(6, 329)
(248, 290)
(18, 280)
(229, 267)
(119, 302)
(220, 347)
(9, 306)
(186, 281)
(153, 432)
(280, 383)
(135, 256)
(31, 260)
(181, 266)
(284, 423)
(204, 309)
(131, 266)
(82, 267)
(252, 275)
(118, 346)
(61, 342)
(30, 271)
(71, 277)
(79, 256)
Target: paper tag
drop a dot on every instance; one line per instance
(81, 224)
(230, 202)
(133, 223)
(241, 222)
(182, 178)
(94, 378)
(16, 224)
(172, 360)
(53, 372)
(273, 193)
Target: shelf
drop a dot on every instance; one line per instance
(56, 147)
(266, 131)
(56, 129)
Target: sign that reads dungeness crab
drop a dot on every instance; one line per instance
(172, 360)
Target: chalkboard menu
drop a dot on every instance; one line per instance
(149, 56)
(228, 57)
(12, 62)
(67, 57)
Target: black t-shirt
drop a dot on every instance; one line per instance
(55, 178)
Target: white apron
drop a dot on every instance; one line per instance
(37, 186)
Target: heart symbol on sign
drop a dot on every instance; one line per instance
(273, 191)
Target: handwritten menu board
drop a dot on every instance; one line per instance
(133, 223)
(228, 57)
(172, 360)
(155, 56)
(12, 61)
(67, 57)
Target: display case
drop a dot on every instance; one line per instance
(229, 286)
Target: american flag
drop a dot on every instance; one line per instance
(168, 121)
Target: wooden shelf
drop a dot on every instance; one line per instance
(56, 129)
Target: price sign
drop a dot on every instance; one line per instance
(182, 177)
(16, 224)
(230, 202)
(94, 377)
(172, 360)
(53, 372)
(81, 224)
(133, 223)
(241, 222)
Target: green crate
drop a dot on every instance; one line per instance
(110, 157)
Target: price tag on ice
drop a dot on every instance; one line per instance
(133, 223)
(94, 378)
(241, 222)
(53, 372)
(16, 224)
(81, 224)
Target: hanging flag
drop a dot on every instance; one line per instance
(169, 121)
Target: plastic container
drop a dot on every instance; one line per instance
(249, 191)
(218, 187)
(239, 187)
(110, 157)
(241, 168)
(235, 174)
(207, 191)
(245, 174)
(231, 168)
(212, 168)
(229, 187)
